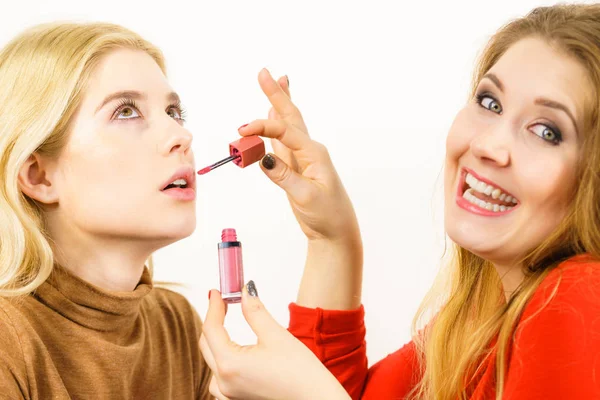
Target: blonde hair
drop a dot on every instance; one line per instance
(456, 343)
(43, 75)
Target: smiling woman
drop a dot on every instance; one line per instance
(517, 138)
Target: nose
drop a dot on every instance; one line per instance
(179, 140)
(492, 146)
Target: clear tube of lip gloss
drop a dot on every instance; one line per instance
(231, 268)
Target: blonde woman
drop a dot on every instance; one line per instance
(520, 309)
(92, 138)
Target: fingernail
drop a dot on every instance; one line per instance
(243, 126)
(209, 292)
(251, 287)
(288, 81)
(268, 161)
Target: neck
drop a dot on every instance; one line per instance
(511, 276)
(110, 263)
(110, 270)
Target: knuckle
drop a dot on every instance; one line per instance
(295, 110)
(225, 387)
(276, 128)
(284, 126)
(308, 197)
(255, 307)
(281, 176)
(290, 111)
(227, 371)
(321, 149)
(273, 114)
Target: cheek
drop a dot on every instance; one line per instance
(546, 176)
(547, 183)
(89, 160)
(99, 166)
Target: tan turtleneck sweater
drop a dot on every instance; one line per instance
(72, 340)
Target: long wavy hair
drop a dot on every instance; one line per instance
(473, 310)
(43, 75)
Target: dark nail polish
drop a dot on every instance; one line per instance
(268, 161)
(288, 81)
(209, 292)
(252, 289)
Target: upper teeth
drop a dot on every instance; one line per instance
(488, 190)
(179, 182)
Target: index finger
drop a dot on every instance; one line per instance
(213, 328)
(280, 101)
(292, 137)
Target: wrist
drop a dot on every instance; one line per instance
(332, 276)
(349, 243)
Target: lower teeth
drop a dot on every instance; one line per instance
(470, 197)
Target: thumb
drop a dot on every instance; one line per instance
(285, 177)
(261, 322)
(213, 328)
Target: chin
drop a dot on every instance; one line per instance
(471, 238)
(488, 247)
(183, 230)
(173, 231)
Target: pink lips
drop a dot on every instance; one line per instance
(186, 194)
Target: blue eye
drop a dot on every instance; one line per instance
(489, 103)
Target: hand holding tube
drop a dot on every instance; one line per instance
(279, 366)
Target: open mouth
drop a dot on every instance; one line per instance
(484, 195)
(177, 184)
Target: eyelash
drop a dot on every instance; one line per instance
(130, 103)
(480, 96)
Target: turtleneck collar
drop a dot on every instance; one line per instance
(89, 305)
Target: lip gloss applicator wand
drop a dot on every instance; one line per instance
(242, 152)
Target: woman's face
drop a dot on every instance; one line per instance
(127, 143)
(511, 154)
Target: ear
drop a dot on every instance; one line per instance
(35, 180)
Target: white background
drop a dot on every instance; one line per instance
(378, 82)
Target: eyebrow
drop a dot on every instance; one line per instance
(540, 101)
(494, 79)
(133, 94)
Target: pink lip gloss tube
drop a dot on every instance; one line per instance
(231, 269)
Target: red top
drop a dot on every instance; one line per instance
(555, 355)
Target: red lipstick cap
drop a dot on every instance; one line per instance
(249, 148)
